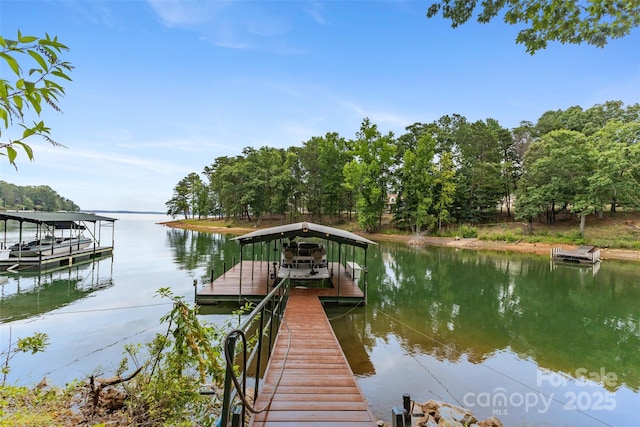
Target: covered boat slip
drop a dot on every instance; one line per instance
(33, 249)
(251, 279)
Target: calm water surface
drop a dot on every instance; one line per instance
(504, 335)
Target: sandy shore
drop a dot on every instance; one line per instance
(470, 243)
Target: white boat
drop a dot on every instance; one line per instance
(304, 261)
(4, 253)
(50, 245)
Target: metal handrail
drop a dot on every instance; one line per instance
(269, 314)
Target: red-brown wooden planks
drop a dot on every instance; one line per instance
(316, 386)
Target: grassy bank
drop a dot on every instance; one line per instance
(620, 231)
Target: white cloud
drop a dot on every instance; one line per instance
(231, 24)
(92, 161)
(179, 13)
(315, 9)
(384, 119)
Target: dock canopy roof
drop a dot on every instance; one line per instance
(53, 218)
(304, 229)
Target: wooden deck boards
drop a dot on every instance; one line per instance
(255, 284)
(316, 386)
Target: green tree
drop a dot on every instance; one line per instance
(229, 177)
(418, 184)
(35, 83)
(286, 185)
(556, 173)
(444, 188)
(262, 168)
(616, 175)
(296, 187)
(522, 137)
(333, 156)
(479, 177)
(406, 146)
(179, 203)
(312, 176)
(189, 197)
(369, 171)
(323, 159)
(593, 22)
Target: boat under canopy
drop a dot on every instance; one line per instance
(314, 258)
(58, 238)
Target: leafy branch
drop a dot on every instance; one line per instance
(34, 344)
(31, 88)
(594, 22)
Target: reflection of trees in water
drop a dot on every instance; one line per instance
(450, 303)
(25, 294)
(351, 331)
(194, 250)
(475, 303)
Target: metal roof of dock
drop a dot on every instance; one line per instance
(52, 217)
(304, 229)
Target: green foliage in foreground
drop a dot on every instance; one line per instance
(35, 81)
(158, 383)
(33, 344)
(594, 22)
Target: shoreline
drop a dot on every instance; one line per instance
(462, 243)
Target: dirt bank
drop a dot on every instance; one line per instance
(477, 244)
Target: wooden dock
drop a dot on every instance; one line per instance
(52, 262)
(316, 387)
(251, 281)
(582, 255)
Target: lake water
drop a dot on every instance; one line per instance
(502, 334)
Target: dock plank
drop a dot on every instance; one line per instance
(316, 387)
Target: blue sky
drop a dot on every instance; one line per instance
(162, 88)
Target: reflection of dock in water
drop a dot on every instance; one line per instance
(593, 268)
(25, 295)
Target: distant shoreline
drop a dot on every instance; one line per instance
(462, 243)
(127, 212)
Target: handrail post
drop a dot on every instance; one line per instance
(226, 397)
(364, 276)
(277, 301)
(259, 356)
(273, 323)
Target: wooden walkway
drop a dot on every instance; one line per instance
(317, 387)
(255, 285)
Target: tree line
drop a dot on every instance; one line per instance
(448, 171)
(39, 198)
